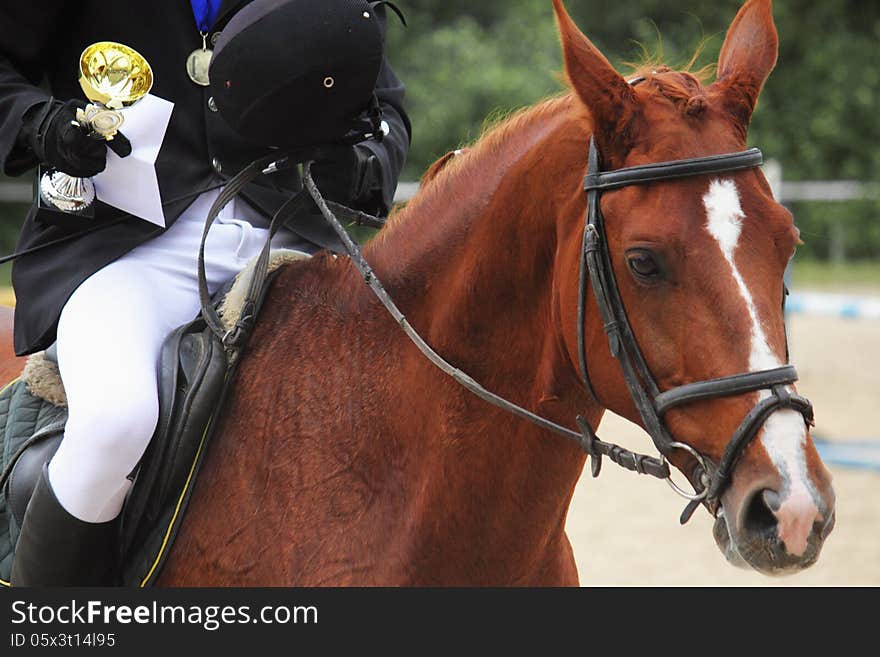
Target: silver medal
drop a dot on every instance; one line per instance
(198, 62)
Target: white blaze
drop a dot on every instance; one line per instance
(784, 433)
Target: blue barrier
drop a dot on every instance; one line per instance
(862, 454)
(835, 305)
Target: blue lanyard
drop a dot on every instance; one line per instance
(205, 12)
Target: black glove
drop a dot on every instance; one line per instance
(347, 174)
(50, 133)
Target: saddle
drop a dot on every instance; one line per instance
(195, 370)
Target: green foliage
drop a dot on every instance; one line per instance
(461, 69)
(11, 216)
(850, 277)
(464, 61)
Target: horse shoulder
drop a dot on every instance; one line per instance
(297, 470)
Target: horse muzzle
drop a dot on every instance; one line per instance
(772, 534)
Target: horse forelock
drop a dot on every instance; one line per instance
(685, 86)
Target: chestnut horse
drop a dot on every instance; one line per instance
(346, 458)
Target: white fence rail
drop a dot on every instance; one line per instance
(846, 306)
(810, 190)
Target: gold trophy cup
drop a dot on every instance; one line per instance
(113, 76)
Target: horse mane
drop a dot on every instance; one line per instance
(498, 135)
(487, 157)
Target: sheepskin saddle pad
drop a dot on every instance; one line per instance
(194, 370)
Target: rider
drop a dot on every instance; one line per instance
(112, 288)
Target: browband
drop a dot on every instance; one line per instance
(695, 166)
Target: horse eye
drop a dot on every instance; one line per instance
(643, 264)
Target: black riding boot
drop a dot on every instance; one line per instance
(57, 549)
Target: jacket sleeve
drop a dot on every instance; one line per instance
(26, 36)
(392, 150)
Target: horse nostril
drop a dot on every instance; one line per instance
(772, 500)
(759, 518)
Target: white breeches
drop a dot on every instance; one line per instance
(109, 338)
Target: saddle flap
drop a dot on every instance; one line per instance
(192, 375)
(28, 466)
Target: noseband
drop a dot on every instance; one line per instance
(709, 480)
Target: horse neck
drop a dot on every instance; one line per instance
(471, 262)
(471, 259)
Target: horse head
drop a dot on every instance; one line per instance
(699, 265)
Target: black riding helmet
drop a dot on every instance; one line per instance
(297, 73)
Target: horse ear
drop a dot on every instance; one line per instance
(747, 57)
(602, 89)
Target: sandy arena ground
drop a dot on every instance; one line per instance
(624, 528)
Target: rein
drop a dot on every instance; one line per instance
(709, 480)
(586, 440)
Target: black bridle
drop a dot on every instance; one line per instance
(709, 480)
